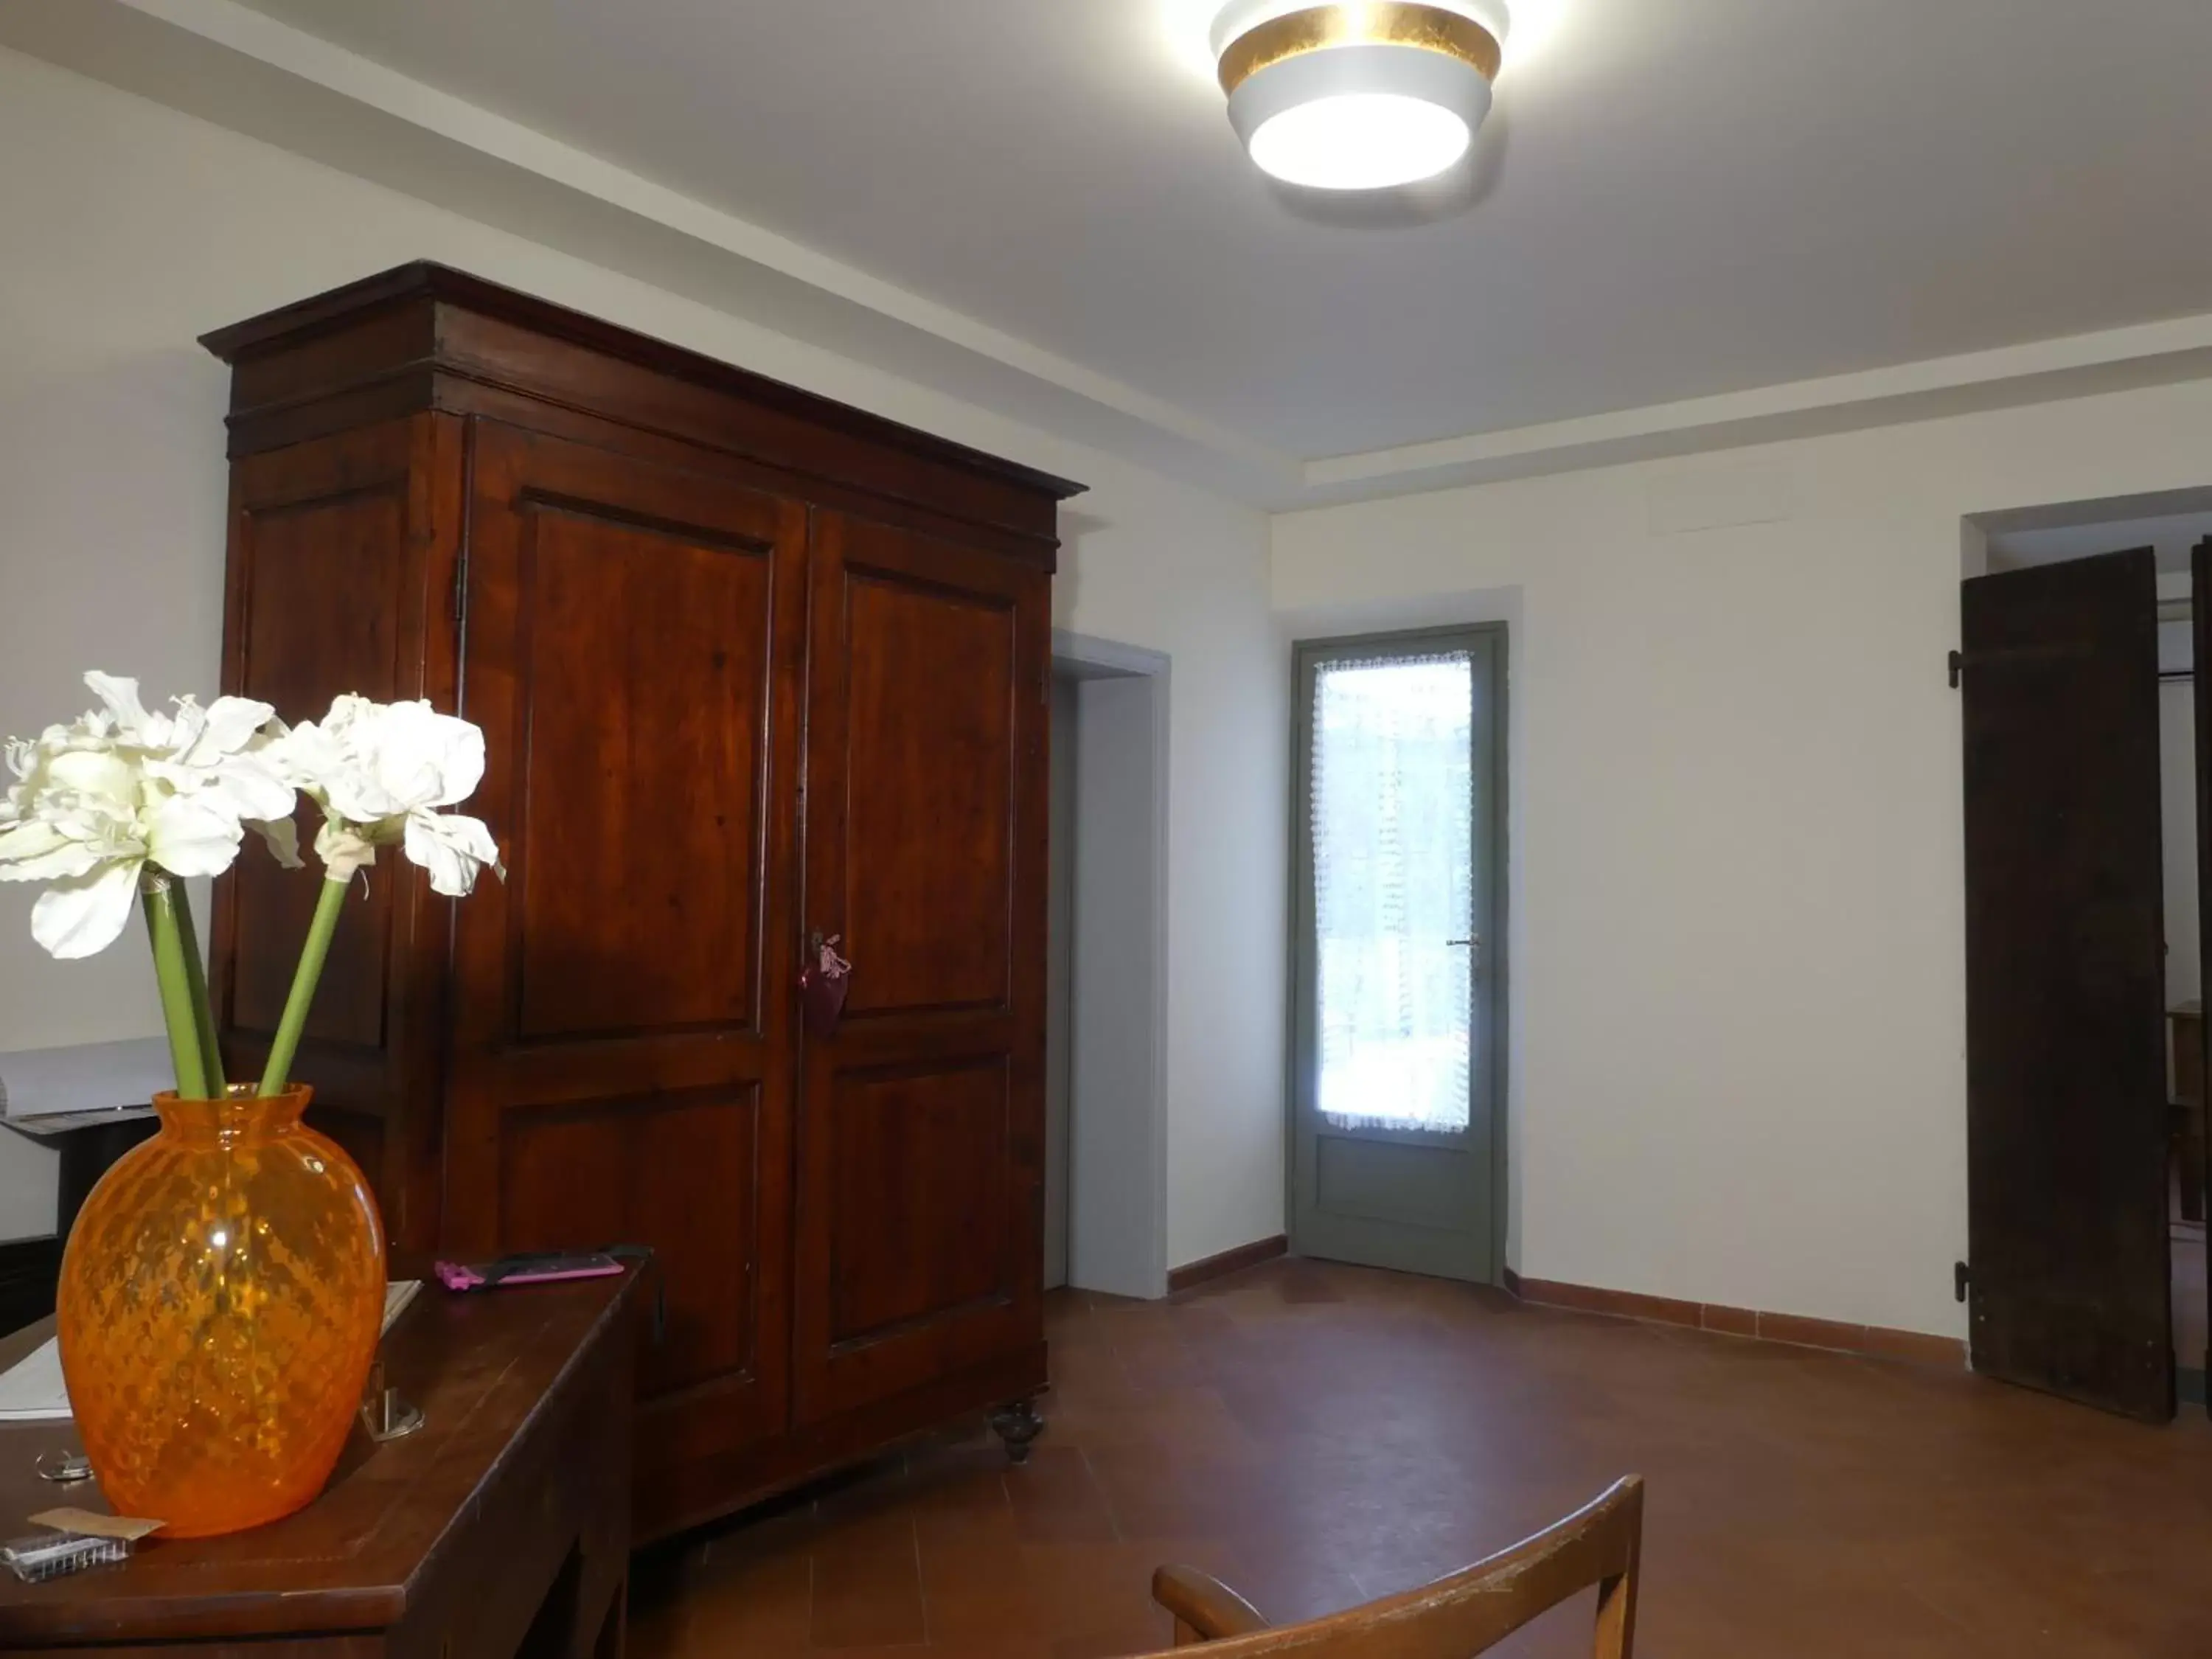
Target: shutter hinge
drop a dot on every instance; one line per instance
(1957, 667)
(1961, 1277)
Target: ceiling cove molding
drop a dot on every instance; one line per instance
(239, 69)
(243, 69)
(2115, 360)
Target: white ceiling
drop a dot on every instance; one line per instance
(1677, 200)
(1690, 225)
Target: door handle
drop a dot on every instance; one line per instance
(822, 984)
(1458, 943)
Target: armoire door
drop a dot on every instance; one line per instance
(633, 643)
(921, 1121)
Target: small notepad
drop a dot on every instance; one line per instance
(32, 1390)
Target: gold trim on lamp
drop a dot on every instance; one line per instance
(1378, 23)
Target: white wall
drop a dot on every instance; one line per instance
(1228, 788)
(1737, 887)
(130, 229)
(1119, 1135)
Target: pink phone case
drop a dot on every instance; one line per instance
(458, 1276)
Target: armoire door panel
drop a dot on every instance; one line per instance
(928, 900)
(336, 546)
(921, 1137)
(686, 1171)
(642, 812)
(337, 557)
(622, 1066)
(543, 1076)
(921, 1155)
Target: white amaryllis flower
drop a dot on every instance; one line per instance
(96, 806)
(378, 770)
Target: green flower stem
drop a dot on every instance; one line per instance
(203, 1009)
(276, 1075)
(163, 899)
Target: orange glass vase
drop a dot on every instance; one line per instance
(221, 1295)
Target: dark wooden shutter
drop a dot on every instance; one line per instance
(2065, 984)
(2200, 566)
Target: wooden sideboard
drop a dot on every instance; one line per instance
(500, 1528)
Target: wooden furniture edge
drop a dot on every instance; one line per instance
(192, 1623)
(1205, 1271)
(799, 1455)
(296, 324)
(1474, 1610)
(441, 1555)
(29, 1269)
(1790, 1330)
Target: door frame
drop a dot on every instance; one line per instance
(1492, 987)
(1118, 1228)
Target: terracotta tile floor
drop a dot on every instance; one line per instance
(1318, 1435)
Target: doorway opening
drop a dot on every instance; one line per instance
(1398, 936)
(1105, 1209)
(2084, 775)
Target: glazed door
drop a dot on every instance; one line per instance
(633, 646)
(2066, 1111)
(921, 1123)
(1396, 1019)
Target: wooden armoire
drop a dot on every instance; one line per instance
(754, 670)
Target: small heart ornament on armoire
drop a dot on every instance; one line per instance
(822, 986)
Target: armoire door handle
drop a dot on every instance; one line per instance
(824, 980)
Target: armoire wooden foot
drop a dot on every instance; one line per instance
(755, 670)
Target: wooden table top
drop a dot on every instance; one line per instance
(479, 1366)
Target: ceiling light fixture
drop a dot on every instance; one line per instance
(1359, 96)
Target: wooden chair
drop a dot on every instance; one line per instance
(1454, 1618)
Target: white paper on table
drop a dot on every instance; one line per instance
(84, 1076)
(31, 1389)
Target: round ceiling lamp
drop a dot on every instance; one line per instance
(1359, 96)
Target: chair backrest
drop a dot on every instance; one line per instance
(1455, 1616)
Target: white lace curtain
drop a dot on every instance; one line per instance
(1393, 839)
